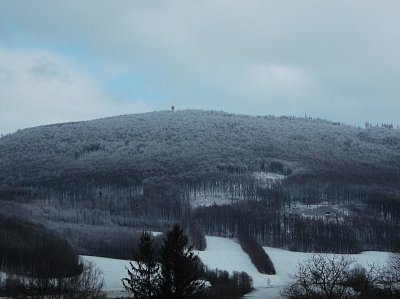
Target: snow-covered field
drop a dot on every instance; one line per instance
(113, 271)
(226, 254)
(286, 262)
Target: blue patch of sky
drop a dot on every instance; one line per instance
(140, 85)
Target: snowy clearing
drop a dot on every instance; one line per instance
(323, 210)
(267, 177)
(206, 199)
(226, 254)
(218, 197)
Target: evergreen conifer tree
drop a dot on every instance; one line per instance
(180, 267)
(144, 275)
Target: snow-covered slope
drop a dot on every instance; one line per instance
(286, 262)
(226, 254)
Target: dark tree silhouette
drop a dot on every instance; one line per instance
(258, 256)
(144, 275)
(180, 268)
(394, 266)
(321, 276)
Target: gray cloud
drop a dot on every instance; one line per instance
(334, 59)
(38, 87)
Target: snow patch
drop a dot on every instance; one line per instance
(207, 199)
(267, 179)
(268, 176)
(323, 210)
(156, 234)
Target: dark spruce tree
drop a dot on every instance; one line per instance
(144, 275)
(180, 267)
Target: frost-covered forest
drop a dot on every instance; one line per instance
(294, 183)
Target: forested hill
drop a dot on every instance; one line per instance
(191, 144)
(303, 184)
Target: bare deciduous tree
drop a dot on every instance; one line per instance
(87, 285)
(394, 266)
(321, 276)
(391, 279)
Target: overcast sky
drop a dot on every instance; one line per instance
(77, 60)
